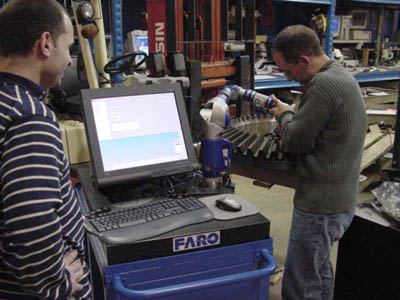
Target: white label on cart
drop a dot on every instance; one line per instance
(196, 241)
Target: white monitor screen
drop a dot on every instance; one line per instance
(335, 26)
(138, 130)
(141, 45)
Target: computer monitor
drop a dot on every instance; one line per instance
(359, 19)
(137, 41)
(335, 26)
(137, 133)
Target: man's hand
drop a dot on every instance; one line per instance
(280, 107)
(74, 266)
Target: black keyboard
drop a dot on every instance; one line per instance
(125, 225)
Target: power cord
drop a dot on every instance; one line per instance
(194, 119)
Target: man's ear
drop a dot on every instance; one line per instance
(45, 44)
(306, 60)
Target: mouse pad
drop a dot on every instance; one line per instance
(248, 209)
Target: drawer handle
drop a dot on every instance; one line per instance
(197, 285)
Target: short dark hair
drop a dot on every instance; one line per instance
(22, 22)
(296, 40)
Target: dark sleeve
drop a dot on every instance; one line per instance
(299, 131)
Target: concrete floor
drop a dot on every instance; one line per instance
(276, 204)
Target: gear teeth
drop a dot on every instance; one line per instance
(255, 145)
(251, 140)
(243, 146)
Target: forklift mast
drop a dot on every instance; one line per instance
(199, 30)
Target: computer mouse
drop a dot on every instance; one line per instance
(228, 204)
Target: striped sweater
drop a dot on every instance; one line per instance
(327, 134)
(40, 217)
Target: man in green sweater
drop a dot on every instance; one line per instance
(327, 135)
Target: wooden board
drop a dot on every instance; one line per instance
(370, 100)
(387, 119)
(373, 173)
(382, 106)
(376, 150)
(372, 136)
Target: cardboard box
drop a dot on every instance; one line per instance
(75, 144)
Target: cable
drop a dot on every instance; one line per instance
(170, 188)
(196, 113)
(106, 80)
(81, 67)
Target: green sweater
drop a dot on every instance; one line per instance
(327, 135)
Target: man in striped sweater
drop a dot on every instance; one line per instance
(41, 227)
(327, 134)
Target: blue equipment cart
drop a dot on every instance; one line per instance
(236, 268)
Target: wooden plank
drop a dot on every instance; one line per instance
(381, 99)
(374, 174)
(370, 179)
(371, 99)
(376, 150)
(374, 135)
(382, 106)
(387, 119)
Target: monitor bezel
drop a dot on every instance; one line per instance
(131, 44)
(103, 178)
(366, 14)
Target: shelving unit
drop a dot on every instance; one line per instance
(281, 82)
(277, 82)
(327, 2)
(261, 83)
(351, 41)
(377, 76)
(394, 2)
